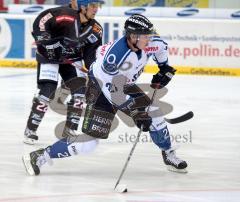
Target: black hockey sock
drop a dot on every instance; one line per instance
(39, 108)
(74, 111)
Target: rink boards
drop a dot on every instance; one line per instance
(196, 46)
(150, 68)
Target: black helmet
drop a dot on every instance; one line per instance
(138, 24)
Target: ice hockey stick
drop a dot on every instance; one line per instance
(181, 118)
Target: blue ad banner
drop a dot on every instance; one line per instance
(12, 38)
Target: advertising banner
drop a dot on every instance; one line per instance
(28, 8)
(163, 3)
(187, 3)
(12, 38)
(202, 43)
(207, 46)
(196, 46)
(147, 11)
(137, 3)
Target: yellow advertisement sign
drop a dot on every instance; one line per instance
(133, 3)
(210, 71)
(187, 3)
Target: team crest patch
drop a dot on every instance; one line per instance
(92, 38)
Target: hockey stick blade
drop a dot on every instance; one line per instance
(180, 119)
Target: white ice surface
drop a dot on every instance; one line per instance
(212, 149)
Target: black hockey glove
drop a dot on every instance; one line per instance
(163, 77)
(57, 49)
(142, 119)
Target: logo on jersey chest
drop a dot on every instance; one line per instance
(135, 76)
(151, 49)
(92, 38)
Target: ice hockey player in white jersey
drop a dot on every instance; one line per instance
(112, 87)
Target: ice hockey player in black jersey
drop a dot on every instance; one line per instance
(65, 36)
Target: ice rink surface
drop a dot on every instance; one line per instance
(210, 143)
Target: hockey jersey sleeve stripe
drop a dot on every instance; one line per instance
(110, 49)
(124, 57)
(65, 18)
(86, 32)
(115, 56)
(76, 28)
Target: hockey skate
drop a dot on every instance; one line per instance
(30, 137)
(173, 162)
(35, 160)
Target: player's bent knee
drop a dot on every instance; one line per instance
(47, 89)
(77, 85)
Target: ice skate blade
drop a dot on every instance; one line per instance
(27, 164)
(173, 169)
(29, 141)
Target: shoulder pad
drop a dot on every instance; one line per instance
(93, 21)
(115, 56)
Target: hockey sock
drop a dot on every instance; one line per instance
(67, 147)
(74, 111)
(161, 138)
(59, 149)
(39, 108)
